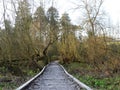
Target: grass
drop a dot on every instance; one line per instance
(101, 83)
(7, 86)
(16, 80)
(85, 74)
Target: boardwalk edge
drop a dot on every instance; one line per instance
(29, 81)
(76, 80)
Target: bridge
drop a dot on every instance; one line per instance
(53, 77)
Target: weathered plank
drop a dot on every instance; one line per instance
(54, 77)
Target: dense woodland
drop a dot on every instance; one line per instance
(37, 39)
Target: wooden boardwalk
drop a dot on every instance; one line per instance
(53, 77)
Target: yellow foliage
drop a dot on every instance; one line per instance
(68, 47)
(95, 47)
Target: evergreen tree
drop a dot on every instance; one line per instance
(22, 28)
(40, 21)
(23, 17)
(40, 15)
(65, 21)
(8, 26)
(52, 16)
(68, 47)
(65, 24)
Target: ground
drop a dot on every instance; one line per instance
(99, 80)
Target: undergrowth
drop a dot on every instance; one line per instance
(86, 74)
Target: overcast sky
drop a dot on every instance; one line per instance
(112, 8)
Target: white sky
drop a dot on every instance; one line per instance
(111, 6)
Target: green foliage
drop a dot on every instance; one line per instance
(52, 15)
(7, 86)
(23, 14)
(66, 24)
(35, 40)
(3, 70)
(96, 83)
(85, 74)
(101, 83)
(115, 48)
(31, 73)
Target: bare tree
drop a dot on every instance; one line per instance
(93, 23)
(92, 14)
